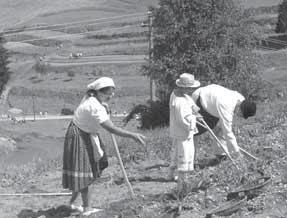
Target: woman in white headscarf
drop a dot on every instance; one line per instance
(84, 155)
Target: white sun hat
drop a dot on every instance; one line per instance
(100, 83)
(186, 80)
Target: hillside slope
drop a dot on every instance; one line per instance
(41, 31)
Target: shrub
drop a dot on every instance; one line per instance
(281, 25)
(71, 73)
(155, 114)
(41, 67)
(67, 111)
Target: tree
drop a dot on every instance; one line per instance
(4, 70)
(212, 39)
(281, 25)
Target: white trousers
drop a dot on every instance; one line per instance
(182, 155)
(219, 133)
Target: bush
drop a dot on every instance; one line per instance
(41, 67)
(155, 114)
(67, 111)
(71, 73)
(281, 25)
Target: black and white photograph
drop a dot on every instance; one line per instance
(143, 108)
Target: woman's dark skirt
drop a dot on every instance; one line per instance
(80, 168)
(208, 118)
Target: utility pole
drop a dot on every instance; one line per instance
(33, 99)
(150, 51)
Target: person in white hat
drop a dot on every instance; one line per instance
(183, 112)
(84, 155)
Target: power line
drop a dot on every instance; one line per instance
(71, 23)
(267, 48)
(276, 41)
(75, 34)
(62, 28)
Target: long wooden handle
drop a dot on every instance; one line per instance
(241, 149)
(217, 140)
(247, 153)
(122, 167)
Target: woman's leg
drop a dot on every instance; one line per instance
(74, 197)
(72, 200)
(86, 202)
(85, 198)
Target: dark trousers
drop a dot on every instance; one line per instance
(208, 118)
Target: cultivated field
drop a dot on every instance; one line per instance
(42, 44)
(41, 35)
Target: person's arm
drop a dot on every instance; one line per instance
(109, 126)
(195, 95)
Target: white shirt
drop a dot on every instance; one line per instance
(89, 115)
(182, 117)
(220, 102)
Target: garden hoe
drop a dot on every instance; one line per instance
(205, 125)
(132, 194)
(131, 191)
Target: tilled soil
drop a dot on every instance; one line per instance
(155, 196)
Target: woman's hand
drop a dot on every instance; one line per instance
(109, 126)
(139, 138)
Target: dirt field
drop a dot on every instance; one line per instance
(263, 136)
(50, 34)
